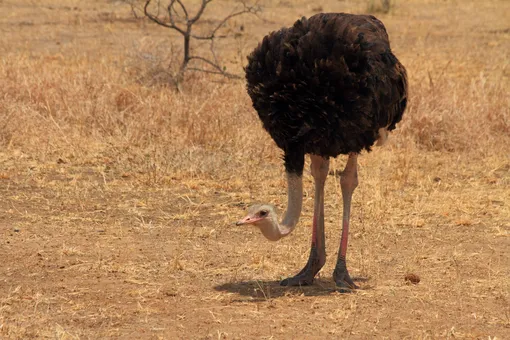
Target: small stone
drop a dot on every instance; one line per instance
(413, 278)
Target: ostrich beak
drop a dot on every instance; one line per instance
(248, 220)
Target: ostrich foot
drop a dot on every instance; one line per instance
(344, 282)
(304, 279)
(342, 279)
(306, 276)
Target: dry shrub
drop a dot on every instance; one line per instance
(75, 108)
(455, 115)
(154, 62)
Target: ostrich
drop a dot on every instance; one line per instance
(326, 86)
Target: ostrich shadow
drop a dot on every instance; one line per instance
(260, 290)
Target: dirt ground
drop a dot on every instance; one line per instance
(118, 195)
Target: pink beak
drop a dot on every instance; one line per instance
(248, 220)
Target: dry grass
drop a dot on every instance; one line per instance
(118, 195)
(379, 6)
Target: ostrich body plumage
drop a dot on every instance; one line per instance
(326, 85)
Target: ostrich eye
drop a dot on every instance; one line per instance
(263, 213)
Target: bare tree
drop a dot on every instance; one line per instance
(175, 15)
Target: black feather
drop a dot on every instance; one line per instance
(326, 85)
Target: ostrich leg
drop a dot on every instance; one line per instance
(320, 168)
(348, 182)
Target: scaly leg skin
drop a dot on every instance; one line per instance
(320, 168)
(348, 182)
(341, 276)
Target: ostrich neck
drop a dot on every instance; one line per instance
(294, 203)
(274, 230)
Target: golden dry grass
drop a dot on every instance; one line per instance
(118, 198)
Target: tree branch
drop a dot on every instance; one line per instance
(171, 10)
(158, 21)
(214, 65)
(200, 12)
(255, 9)
(222, 73)
(207, 61)
(183, 9)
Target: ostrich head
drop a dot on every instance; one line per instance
(265, 218)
